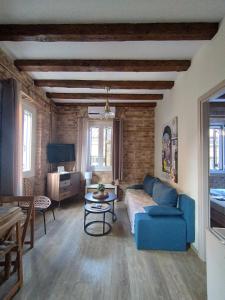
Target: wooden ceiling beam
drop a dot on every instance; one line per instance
(108, 32)
(135, 105)
(94, 96)
(69, 65)
(101, 84)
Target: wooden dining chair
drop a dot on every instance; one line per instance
(29, 216)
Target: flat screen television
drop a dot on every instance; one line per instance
(57, 153)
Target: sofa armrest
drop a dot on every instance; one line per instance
(166, 211)
(187, 205)
(136, 187)
(160, 233)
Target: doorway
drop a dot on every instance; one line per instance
(211, 210)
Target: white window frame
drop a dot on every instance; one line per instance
(26, 106)
(100, 124)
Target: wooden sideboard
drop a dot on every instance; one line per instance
(63, 185)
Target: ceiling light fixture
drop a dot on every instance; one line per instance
(107, 114)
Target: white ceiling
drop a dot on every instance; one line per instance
(101, 101)
(105, 75)
(102, 50)
(99, 11)
(113, 91)
(111, 11)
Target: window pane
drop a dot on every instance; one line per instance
(100, 146)
(107, 147)
(94, 146)
(216, 148)
(27, 136)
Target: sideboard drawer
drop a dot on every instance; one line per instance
(65, 189)
(64, 183)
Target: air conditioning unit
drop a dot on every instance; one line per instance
(95, 112)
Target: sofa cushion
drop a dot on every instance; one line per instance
(164, 194)
(135, 187)
(163, 211)
(135, 201)
(148, 184)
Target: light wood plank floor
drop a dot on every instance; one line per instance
(68, 264)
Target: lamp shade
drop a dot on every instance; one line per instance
(88, 175)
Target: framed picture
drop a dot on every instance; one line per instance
(170, 149)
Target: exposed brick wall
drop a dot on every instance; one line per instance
(42, 139)
(138, 143)
(138, 138)
(66, 121)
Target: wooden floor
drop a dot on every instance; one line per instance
(68, 264)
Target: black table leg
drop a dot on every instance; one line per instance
(84, 218)
(113, 212)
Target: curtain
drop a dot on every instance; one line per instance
(117, 159)
(82, 145)
(10, 139)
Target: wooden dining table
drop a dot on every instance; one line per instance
(11, 241)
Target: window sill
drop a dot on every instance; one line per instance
(101, 170)
(28, 174)
(217, 173)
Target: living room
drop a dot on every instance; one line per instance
(105, 115)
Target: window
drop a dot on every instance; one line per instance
(27, 137)
(100, 145)
(29, 129)
(216, 147)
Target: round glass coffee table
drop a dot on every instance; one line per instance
(99, 206)
(93, 208)
(110, 200)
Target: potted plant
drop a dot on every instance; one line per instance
(101, 188)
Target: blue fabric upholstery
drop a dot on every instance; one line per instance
(187, 205)
(164, 227)
(148, 184)
(163, 211)
(158, 228)
(160, 233)
(164, 194)
(136, 187)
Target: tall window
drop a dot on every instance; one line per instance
(216, 147)
(27, 140)
(100, 145)
(29, 134)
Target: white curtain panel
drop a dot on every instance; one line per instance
(82, 145)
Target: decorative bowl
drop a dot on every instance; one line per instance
(101, 196)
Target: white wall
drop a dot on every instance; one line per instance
(206, 71)
(215, 268)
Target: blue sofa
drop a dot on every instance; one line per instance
(168, 223)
